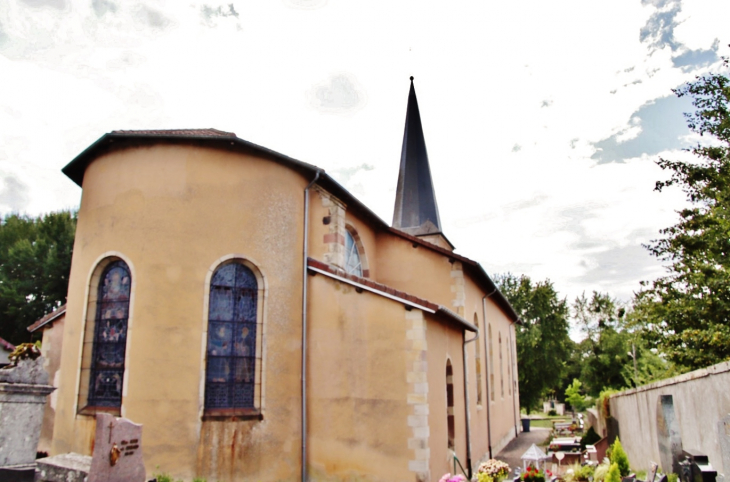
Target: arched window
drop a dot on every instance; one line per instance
(450, 404)
(478, 361)
(232, 358)
(501, 366)
(509, 362)
(110, 336)
(353, 263)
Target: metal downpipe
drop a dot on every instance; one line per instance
(466, 399)
(305, 252)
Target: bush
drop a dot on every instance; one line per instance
(552, 412)
(590, 438)
(619, 457)
(613, 474)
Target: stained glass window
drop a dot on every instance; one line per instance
(110, 336)
(353, 265)
(230, 380)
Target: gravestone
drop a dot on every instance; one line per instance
(69, 467)
(117, 451)
(723, 436)
(668, 435)
(23, 390)
(652, 472)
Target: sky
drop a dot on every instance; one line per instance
(543, 120)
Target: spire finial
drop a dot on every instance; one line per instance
(411, 78)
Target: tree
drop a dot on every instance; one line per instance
(686, 314)
(619, 457)
(35, 261)
(604, 352)
(574, 398)
(543, 344)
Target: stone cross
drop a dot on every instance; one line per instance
(117, 451)
(668, 435)
(723, 436)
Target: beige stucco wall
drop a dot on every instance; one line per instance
(51, 348)
(172, 213)
(377, 370)
(358, 391)
(444, 343)
(701, 398)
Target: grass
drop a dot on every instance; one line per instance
(544, 423)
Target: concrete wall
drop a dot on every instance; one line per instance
(701, 399)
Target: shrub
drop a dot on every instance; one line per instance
(590, 438)
(552, 412)
(619, 457)
(613, 474)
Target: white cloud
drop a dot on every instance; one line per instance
(514, 98)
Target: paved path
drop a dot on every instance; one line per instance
(514, 450)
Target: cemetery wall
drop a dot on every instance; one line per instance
(701, 400)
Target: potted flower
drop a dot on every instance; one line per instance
(535, 475)
(455, 478)
(492, 471)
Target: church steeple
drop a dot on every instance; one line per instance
(416, 211)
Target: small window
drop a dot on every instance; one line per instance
(478, 361)
(450, 424)
(353, 263)
(231, 381)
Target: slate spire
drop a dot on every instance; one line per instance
(415, 210)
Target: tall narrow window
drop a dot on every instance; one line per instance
(478, 361)
(509, 362)
(110, 336)
(501, 366)
(353, 263)
(491, 364)
(450, 405)
(231, 380)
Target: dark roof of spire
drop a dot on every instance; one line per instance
(415, 200)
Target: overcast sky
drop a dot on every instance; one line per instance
(542, 119)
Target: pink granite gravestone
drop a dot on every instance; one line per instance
(117, 451)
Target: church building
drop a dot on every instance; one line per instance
(263, 324)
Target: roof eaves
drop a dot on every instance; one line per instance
(447, 313)
(6, 345)
(50, 317)
(388, 292)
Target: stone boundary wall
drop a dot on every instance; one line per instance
(701, 399)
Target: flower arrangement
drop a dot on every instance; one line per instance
(455, 478)
(535, 475)
(492, 471)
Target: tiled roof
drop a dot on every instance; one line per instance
(178, 133)
(47, 318)
(228, 140)
(6, 345)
